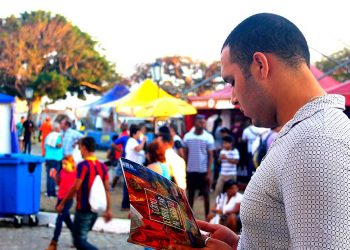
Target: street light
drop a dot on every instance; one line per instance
(29, 93)
(156, 72)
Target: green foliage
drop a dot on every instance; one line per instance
(51, 55)
(180, 73)
(329, 63)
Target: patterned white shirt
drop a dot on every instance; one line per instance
(228, 168)
(198, 147)
(299, 197)
(70, 138)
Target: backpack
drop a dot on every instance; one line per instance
(261, 151)
(97, 195)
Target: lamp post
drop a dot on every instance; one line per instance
(29, 93)
(156, 72)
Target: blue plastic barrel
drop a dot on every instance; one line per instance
(20, 184)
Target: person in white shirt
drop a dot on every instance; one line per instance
(198, 148)
(250, 134)
(176, 164)
(228, 158)
(134, 149)
(227, 206)
(178, 144)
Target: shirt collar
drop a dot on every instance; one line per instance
(91, 158)
(312, 107)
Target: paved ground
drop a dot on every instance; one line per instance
(38, 238)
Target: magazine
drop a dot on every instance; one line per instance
(159, 211)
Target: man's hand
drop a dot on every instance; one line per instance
(222, 238)
(219, 232)
(211, 244)
(107, 215)
(53, 173)
(60, 207)
(223, 157)
(209, 179)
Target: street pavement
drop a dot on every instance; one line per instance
(38, 238)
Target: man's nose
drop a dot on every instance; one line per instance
(234, 99)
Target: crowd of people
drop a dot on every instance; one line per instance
(298, 196)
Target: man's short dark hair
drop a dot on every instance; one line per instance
(269, 33)
(164, 130)
(89, 143)
(68, 123)
(133, 129)
(228, 139)
(225, 130)
(200, 117)
(166, 137)
(229, 183)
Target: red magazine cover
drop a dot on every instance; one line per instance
(160, 213)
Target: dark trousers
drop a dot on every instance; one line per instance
(27, 146)
(196, 181)
(63, 216)
(125, 201)
(251, 167)
(50, 182)
(83, 223)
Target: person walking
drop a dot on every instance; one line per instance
(70, 137)
(84, 217)
(65, 179)
(299, 196)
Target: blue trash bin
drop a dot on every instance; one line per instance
(20, 184)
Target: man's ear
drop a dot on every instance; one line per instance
(260, 65)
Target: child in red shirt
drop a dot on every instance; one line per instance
(65, 180)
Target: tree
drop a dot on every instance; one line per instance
(340, 61)
(180, 73)
(52, 56)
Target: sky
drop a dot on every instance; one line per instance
(139, 31)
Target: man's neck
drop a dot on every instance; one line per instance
(294, 96)
(198, 132)
(89, 155)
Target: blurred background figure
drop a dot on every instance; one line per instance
(218, 144)
(45, 129)
(70, 138)
(124, 129)
(178, 144)
(228, 160)
(227, 206)
(65, 179)
(28, 132)
(156, 156)
(199, 147)
(19, 127)
(176, 164)
(53, 157)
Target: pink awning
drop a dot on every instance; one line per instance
(342, 89)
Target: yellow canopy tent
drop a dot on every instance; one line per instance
(166, 107)
(146, 93)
